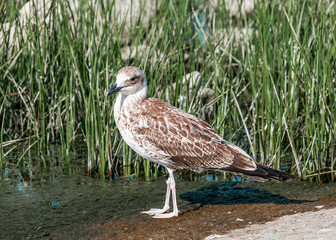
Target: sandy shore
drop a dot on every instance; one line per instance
(252, 221)
(222, 210)
(307, 226)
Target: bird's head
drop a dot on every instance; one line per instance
(130, 80)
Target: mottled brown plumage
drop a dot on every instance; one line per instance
(175, 139)
(187, 141)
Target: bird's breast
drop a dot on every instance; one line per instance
(131, 125)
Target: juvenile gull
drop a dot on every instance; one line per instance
(175, 139)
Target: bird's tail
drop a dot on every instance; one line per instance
(274, 174)
(262, 173)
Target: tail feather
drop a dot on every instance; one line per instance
(275, 173)
(261, 173)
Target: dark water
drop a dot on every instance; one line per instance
(61, 201)
(44, 202)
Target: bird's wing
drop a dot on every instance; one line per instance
(189, 141)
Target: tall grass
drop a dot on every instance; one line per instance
(274, 79)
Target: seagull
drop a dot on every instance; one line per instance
(175, 139)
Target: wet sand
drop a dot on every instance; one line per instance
(208, 220)
(209, 214)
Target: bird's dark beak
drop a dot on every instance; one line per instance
(113, 89)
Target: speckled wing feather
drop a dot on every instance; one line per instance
(187, 141)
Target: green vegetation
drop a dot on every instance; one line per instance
(273, 72)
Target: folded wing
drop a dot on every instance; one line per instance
(188, 141)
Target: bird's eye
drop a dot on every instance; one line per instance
(133, 79)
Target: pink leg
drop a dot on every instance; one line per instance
(164, 212)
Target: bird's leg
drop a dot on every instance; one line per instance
(165, 208)
(173, 188)
(164, 212)
(171, 185)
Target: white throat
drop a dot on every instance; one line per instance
(129, 102)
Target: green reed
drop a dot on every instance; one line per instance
(274, 90)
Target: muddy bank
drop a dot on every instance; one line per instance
(77, 207)
(221, 207)
(210, 220)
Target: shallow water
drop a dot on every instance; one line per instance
(39, 208)
(60, 201)
(38, 201)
